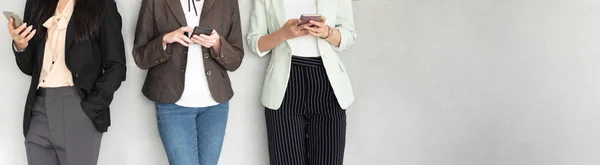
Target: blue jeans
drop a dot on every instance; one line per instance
(192, 136)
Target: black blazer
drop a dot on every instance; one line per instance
(98, 67)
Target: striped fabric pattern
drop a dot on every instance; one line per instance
(310, 126)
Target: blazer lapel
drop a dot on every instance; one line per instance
(279, 8)
(69, 36)
(175, 6)
(206, 7)
(39, 56)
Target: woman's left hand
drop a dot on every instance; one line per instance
(318, 28)
(213, 40)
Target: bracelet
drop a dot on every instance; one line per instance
(330, 33)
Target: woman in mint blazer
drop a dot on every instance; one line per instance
(306, 89)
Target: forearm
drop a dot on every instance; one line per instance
(270, 41)
(149, 48)
(150, 53)
(228, 55)
(24, 59)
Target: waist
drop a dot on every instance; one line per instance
(307, 61)
(59, 91)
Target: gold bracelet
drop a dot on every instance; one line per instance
(330, 32)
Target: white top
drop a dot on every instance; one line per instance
(306, 46)
(195, 92)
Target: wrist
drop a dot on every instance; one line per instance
(20, 47)
(217, 44)
(329, 33)
(280, 35)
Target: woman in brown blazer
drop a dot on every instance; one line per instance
(187, 73)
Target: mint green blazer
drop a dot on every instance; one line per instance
(269, 16)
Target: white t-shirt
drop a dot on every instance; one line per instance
(195, 92)
(305, 46)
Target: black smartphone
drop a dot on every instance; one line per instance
(202, 30)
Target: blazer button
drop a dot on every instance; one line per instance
(76, 75)
(206, 55)
(184, 52)
(208, 73)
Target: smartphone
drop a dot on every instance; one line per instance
(202, 30)
(17, 20)
(306, 18)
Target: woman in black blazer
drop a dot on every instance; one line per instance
(73, 50)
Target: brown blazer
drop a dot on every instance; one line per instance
(166, 68)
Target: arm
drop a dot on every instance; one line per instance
(24, 57)
(113, 62)
(344, 34)
(148, 50)
(230, 52)
(24, 60)
(270, 41)
(258, 30)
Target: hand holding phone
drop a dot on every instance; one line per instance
(206, 37)
(178, 36)
(202, 30)
(291, 29)
(19, 31)
(317, 27)
(17, 21)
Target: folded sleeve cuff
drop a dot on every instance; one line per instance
(15, 48)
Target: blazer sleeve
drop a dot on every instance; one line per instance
(258, 27)
(25, 58)
(345, 24)
(232, 48)
(148, 50)
(112, 51)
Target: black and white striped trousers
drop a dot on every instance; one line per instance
(310, 127)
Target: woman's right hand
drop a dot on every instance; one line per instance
(292, 30)
(179, 37)
(21, 35)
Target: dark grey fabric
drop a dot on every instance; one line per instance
(60, 132)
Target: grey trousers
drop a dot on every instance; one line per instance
(60, 133)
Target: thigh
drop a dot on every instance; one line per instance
(38, 147)
(211, 124)
(327, 137)
(286, 133)
(177, 129)
(81, 139)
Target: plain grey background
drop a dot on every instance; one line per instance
(463, 82)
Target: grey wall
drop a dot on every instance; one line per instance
(477, 82)
(464, 82)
